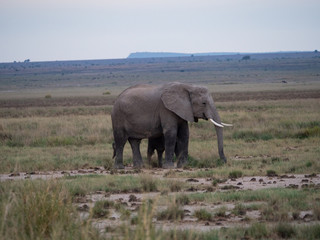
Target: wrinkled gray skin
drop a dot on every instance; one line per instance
(147, 111)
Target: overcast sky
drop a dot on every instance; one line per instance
(42, 30)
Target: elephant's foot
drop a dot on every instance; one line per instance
(118, 166)
(138, 166)
(224, 159)
(168, 165)
(181, 164)
(137, 163)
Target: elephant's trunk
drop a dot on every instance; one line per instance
(219, 132)
(215, 119)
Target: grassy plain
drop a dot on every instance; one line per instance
(56, 116)
(278, 134)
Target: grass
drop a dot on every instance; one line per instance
(172, 213)
(235, 174)
(71, 137)
(40, 210)
(68, 128)
(286, 199)
(285, 230)
(100, 209)
(203, 215)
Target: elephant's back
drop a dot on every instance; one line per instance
(139, 93)
(136, 98)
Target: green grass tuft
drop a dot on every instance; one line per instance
(203, 215)
(285, 230)
(235, 174)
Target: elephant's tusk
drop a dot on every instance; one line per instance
(226, 124)
(215, 123)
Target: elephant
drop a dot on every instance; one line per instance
(150, 111)
(158, 145)
(153, 144)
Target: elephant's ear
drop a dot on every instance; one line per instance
(176, 98)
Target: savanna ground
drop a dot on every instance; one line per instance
(57, 180)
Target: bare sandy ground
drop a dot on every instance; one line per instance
(133, 201)
(243, 183)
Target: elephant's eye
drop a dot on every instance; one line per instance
(203, 103)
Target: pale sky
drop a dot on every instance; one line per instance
(42, 30)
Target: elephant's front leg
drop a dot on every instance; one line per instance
(135, 146)
(170, 137)
(182, 144)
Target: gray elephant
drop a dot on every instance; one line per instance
(147, 111)
(157, 144)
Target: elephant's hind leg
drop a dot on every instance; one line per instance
(135, 146)
(160, 153)
(118, 150)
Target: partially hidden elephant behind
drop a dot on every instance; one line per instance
(157, 144)
(150, 111)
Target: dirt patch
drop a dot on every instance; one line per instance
(243, 183)
(126, 206)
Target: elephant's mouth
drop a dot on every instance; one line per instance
(204, 116)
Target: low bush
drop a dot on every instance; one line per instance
(271, 173)
(258, 231)
(100, 209)
(235, 174)
(221, 212)
(183, 199)
(203, 215)
(285, 230)
(173, 212)
(148, 183)
(239, 209)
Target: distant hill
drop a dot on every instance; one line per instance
(171, 54)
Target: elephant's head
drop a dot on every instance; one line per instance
(191, 102)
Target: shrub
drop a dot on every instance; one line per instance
(316, 211)
(148, 183)
(239, 209)
(173, 212)
(257, 231)
(285, 230)
(271, 173)
(175, 186)
(235, 174)
(309, 132)
(221, 212)
(183, 199)
(100, 209)
(203, 215)
(310, 232)
(247, 57)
